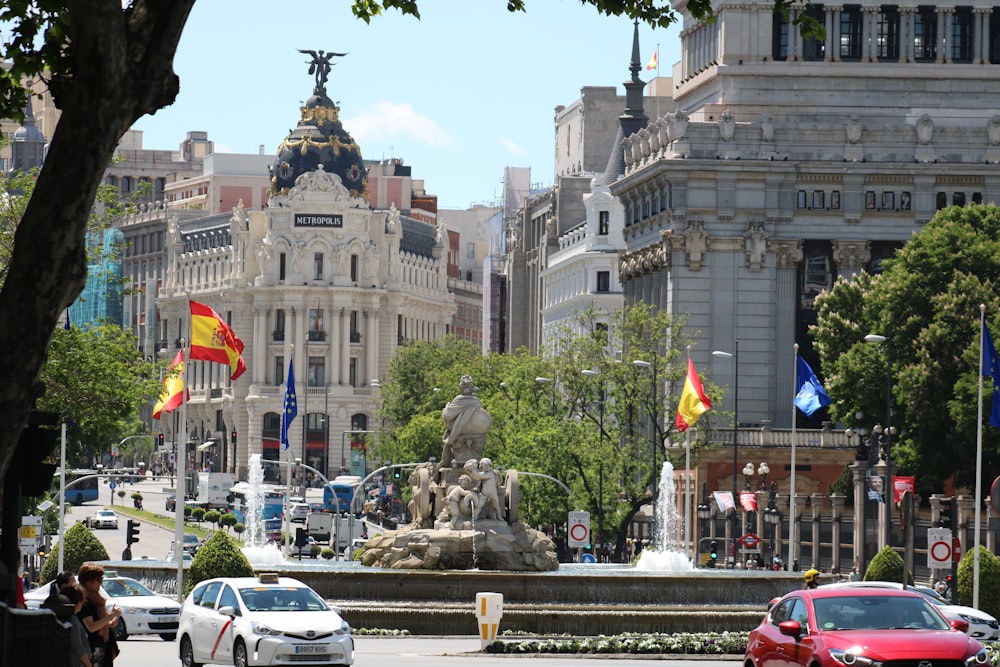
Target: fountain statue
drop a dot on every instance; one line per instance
(666, 552)
(464, 513)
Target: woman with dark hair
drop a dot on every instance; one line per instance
(96, 618)
(63, 579)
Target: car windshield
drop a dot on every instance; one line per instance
(188, 539)
(125, 588)
(106, 513)
(933, 596)
(275, 598)
(876, 612)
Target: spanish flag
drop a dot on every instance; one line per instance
(693, 403)
(653, 62)
(174, 392)
(213, 340)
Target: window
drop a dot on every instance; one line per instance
(942, 200)
(354, 268)
(279, 325)
(779, 37)
(603, 281)
(819, 199)
(904, 201)
(850, 33)
(470, 250)
(925, 34)
(355, 334)
(352, 372)
(958, 199)
(228, 599)
(603, 222)
(318, 266)
(887, 45)
(317, 372)
(961, 35)
(281, 266)
(835, 199)
(888, 201)
(802, 200)
(977, 197)
(870, 200)
(812, 48)
(279, 371)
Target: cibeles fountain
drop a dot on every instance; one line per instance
(464, 515)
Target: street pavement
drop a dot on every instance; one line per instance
(417, 652)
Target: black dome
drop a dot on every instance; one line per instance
(319, 138)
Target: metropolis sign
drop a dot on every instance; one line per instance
(319, 220)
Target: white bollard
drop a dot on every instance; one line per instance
(489, 610)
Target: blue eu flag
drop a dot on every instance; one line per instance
(291, 405)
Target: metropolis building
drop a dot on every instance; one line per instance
(791, 161)
(317, 277)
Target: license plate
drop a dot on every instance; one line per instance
(310, 648)
(166, 619)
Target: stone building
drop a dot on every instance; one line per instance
(790, 162)
(318, 277)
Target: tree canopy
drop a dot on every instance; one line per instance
(926, 302)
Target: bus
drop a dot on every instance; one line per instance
(274, 501)
(337, 495)
(81, 486)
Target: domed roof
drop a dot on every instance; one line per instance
(319, 139)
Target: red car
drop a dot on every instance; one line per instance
(859, 627)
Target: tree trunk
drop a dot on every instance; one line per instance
(121, 68)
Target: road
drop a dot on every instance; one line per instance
(417, 651)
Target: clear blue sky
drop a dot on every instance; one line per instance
(458, 95)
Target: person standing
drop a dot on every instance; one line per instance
(79, 641)
(96, 618)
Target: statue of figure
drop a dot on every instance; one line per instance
(489, 481)
(853, 129)
(465, 420)
(462, 502)
(320, 66)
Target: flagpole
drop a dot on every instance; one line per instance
(180, 490)
(285, 546)
(979, 461)
(790, 556)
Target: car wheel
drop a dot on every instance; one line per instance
(121, 632)
(187, 654)
(168, 638)
(240, 654)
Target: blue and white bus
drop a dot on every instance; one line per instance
(81, 486)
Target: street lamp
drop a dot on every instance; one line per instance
(735, 355)
(887, 449)
(545, 380)
(772, 515)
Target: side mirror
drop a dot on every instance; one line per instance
(790, 628)
(960, 625)
(228, 610)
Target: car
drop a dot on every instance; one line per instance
(105, 519)
(171, 504)
(862, 626)
(170, 557)
(143, 611)
(299, 512)
(982, 626)
(263, 620)
(191, 544)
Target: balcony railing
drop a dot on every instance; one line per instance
(355, 337)
(317, 335)
(278, 336)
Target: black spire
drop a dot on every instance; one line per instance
(634, 118)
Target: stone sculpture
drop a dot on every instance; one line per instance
(464, 512)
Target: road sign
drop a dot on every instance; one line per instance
(750, 541)
(939, 547)
(579, 529)
(112, 485)
(588, 558)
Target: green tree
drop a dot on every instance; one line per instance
(218, 557)
(81, 547)
(989, 580)
(228, 520)
(213, 516)
(927, 304)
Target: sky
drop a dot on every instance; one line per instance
(460, 94)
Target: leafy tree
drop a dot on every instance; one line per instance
(989, 580)
(217, 557)
(926, 303)
(239, 529)
(887, 565)
(213, 517)
(198, 514)
(228, 520)
(81, 547)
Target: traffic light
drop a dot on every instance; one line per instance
(159, 441)
(33, 446)
(397, 473)
(300, 537)
(713, 553)
(232, 438)
(131, 532)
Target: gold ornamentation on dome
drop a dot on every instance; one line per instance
(305, 143)
(320, 116)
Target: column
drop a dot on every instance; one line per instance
(794, 36)
(837, 507)
(966, 521)
(332, 338)
(372, 346)
(949, 19)
(981, 35)
(817, 509)
(869, 35)
(834, 32)
(941, 43)
(906, 15)
(796, 549)
(345, 345)
(828, 14)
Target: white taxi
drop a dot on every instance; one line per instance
(264, 620)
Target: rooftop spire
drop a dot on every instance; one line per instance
(634, 118)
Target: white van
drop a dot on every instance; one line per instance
(320, 526)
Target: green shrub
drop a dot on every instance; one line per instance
(198, 513)
(228, 520)
(213, 516)
(327, 553)
(315, 550)
(187, 511)
(989, 580)
(218, 557)
(81, 547)
(239, 528)
(887, 565)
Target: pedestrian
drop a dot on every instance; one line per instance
(855, 575)
(79, 641)
(62, 580)
(812, 578)
(96, 617)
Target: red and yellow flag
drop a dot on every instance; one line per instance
(174, 392)
(654, 63)
(693, 402)
(213, 340)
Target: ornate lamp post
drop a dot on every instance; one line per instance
(888, 432)
(736, 425)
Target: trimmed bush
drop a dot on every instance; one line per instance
(198, 513)
(327, 553)
(81, 547)
(228, 520)
(213, 516)
(218, 557)
(887, 565)
(989, 580)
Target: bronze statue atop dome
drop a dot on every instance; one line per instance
(320, 66)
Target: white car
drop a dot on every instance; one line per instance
(105, 519)
(298, 512)
(143, 611)
(982, 626)
(264, 620)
